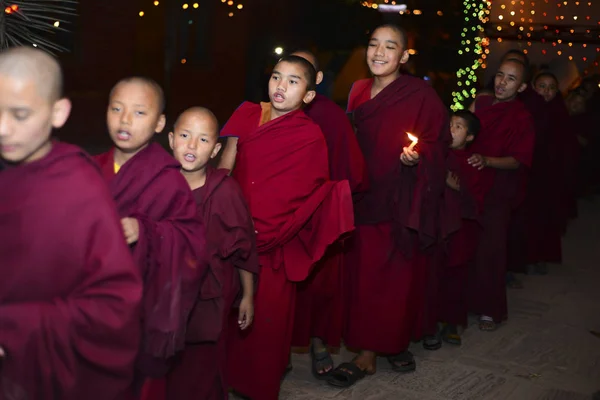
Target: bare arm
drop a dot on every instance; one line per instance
(480, 162)
(246, 314)
(229, 152)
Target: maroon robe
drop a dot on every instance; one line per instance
(70, 291)
(319, 302)
(199, 372)
(507, 130)
(282, 169)
(461, 229)
(397, 218)
(169, 251)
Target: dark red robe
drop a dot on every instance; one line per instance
(507, 130)
(397, 218)
(70, 291)
(461, 229)
(319, 302)
(282, 169)
(169, 251)
(199, 371)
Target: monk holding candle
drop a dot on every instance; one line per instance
(397, 217)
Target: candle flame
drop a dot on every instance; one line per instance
(413, 138)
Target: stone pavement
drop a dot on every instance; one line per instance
(544, 352)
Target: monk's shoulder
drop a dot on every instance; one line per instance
(228, 190)
(309, 128)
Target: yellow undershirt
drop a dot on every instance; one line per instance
(117, 167)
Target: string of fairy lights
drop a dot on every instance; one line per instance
(473, 53)
(232, 7)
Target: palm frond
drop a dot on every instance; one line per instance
(31, 22)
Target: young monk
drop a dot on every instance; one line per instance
(463, 203)
(70, 291)
(319, 300)
(159, 219)
(397, 217)
(282, 168)
(199, 372)
(504, 145)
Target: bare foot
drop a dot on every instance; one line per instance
(366, 361)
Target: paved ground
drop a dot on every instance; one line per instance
(544, 352)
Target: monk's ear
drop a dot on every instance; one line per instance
(469, 139)
(405, 57)
(309, 96)
(60, 112)
(171, 140)
(319, 77)
(216, 150)
(160, 125)
(522, 87)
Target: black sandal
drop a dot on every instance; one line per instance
(346, 375)
(432, 342)
(320, 361)
(403, 362)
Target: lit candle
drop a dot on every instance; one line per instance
(414, 140)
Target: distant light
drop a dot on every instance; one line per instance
(440, 13)
(240, 6)
(141, 13)
(278, 50)
(230, 3)
(412, 52)
(185, 6)
(34, 45)
(392, 7)
(417, 12)
(156, 3)
(195, 5)
(57, 24)
(183, 60)
(190, 22)
(231, 14)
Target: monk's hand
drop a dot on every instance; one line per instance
(2, 353)
(409, 157)
(453, 181)
(478, 161)
(246, 314)
(131, 229)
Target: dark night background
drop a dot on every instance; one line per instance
(227, 59)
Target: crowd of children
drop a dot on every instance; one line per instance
(137, 274)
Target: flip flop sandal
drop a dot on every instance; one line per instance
(450, 335)
(346, 375)
(487, 324)
(403, 362)
(432, 342)
(319, 362)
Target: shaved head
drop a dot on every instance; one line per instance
(36, 66)
(151, 83)
(200, 113)
(520, 66)
(308, 56)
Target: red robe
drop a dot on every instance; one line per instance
(70, 291)
(282, 169)
(199, 371)
(461, 229)
(507, 130)
(169, 251)
(319, 302)
(397, 218)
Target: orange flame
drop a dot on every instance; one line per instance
(412, 137)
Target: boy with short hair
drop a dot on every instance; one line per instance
(298, 212)
(159, 219)
(70, 291)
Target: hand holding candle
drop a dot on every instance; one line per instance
(409, 156)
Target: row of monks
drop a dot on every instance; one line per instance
(140, 274)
